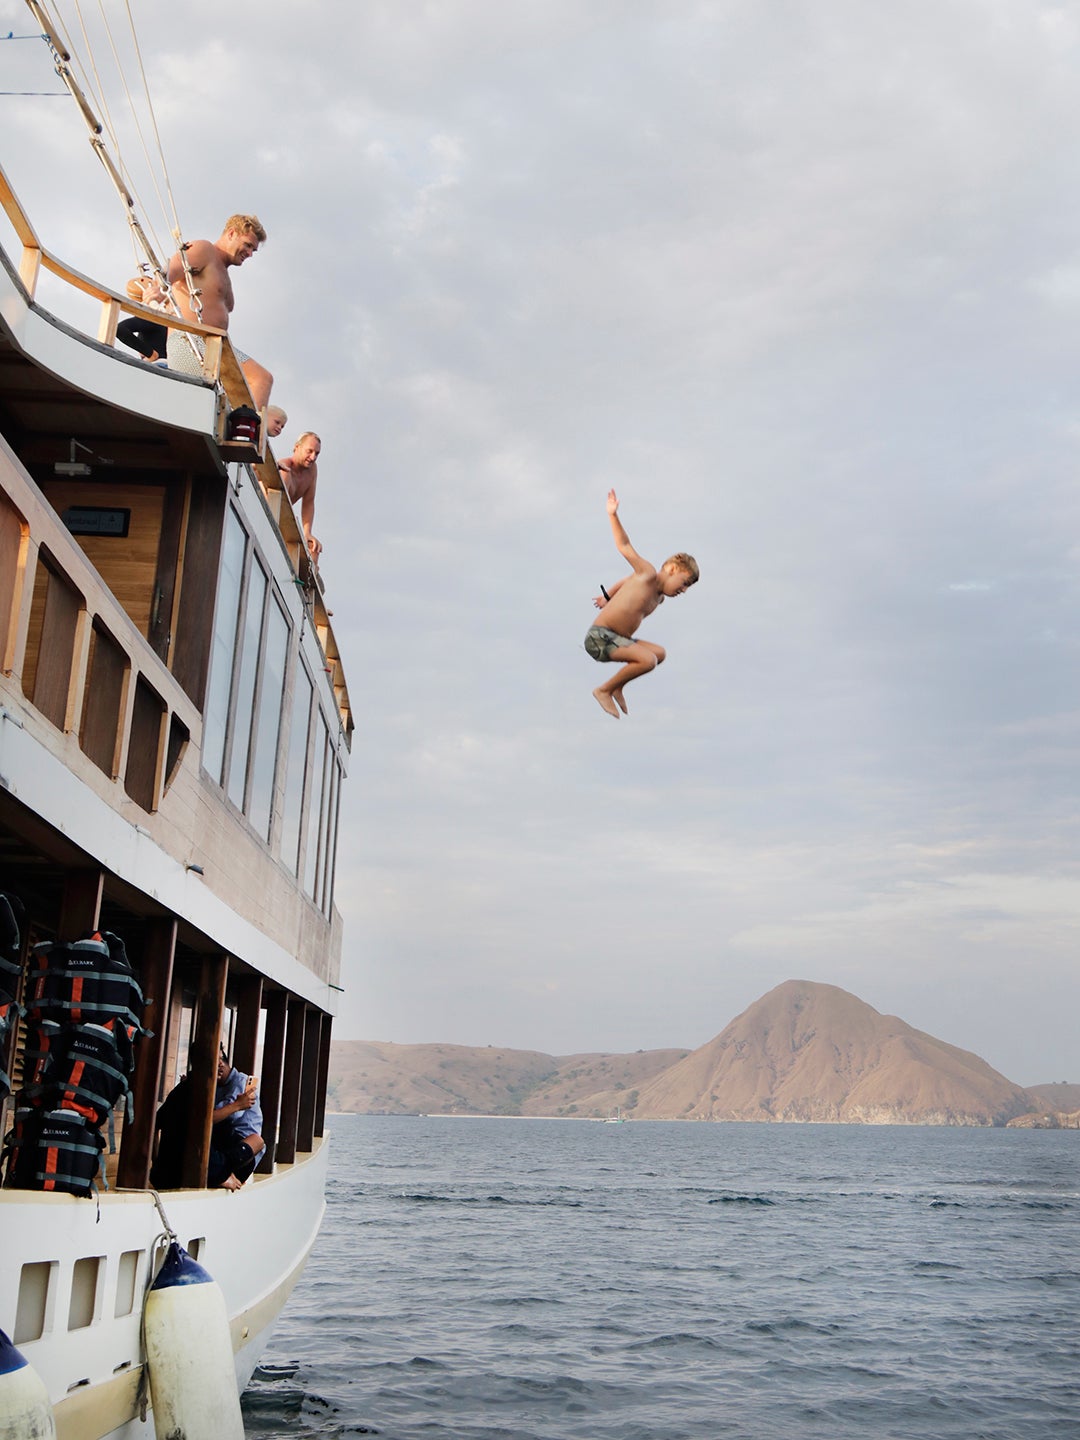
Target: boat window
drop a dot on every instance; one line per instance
(126, 1275)
(244, 704)
(226, 623)
(327, 898)
(268, 719)
(33, 1312)
(315, 806)
(295, 766)
(86, 1278)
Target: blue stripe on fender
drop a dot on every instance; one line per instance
(178, 1268)
(10, 1358)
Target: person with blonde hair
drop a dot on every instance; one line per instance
(625, 606)
(299, 475)
(209, 263)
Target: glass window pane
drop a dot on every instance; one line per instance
(268, 726)
(324, 818)
(331, 835)
(243, 720)
(315, 807)
(294, 769)
(226, 618)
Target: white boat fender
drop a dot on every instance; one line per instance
(189, 1354)
(25, 1412)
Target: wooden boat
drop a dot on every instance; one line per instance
(174, 734)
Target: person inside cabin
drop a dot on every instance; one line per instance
(143, 336)
(276, 420)
(208, 262)
(299, 475)
(235, 1141)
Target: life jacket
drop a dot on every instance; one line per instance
(87, 982)
(53, 1150)
(84, 1068)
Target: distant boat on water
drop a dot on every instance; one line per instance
(616, 1118)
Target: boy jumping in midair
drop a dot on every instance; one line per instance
(625, 606)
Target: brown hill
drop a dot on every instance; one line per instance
(807, 1051)
(373, 1077)
(1060, 1097)
(804, 1051)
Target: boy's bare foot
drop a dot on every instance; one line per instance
(606, 702)
(232, 1183)
(618, 697)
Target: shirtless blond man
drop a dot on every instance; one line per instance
(625, 606)
(209, 263)
(299, 475)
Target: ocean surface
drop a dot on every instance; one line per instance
(651, 1281)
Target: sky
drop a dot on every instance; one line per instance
(801, 281)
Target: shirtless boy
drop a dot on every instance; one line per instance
(299, 475)
(625, 606)
(209, 263)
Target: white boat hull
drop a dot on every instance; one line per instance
(254, 1242)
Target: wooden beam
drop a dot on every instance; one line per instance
(291, 1082)
(80, 909)
(246, 1034)
(324, 1074)
(136, 1145)
(202, 1065)
(309, 1082)
(270, 1085)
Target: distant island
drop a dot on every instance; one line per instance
(803, 1052)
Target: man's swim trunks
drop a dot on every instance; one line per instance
(600, 642)
(182, 357)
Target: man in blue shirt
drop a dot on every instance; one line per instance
(235, 1141)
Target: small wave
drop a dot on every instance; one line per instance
(675, 1340)
(741, 1200)
(421, 1197)
(789, 1326)
(934, 1265)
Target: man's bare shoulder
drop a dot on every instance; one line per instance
(203, 253)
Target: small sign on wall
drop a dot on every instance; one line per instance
(97, 520)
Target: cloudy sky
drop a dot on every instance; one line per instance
(801, 281)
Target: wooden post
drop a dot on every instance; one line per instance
(80, 908)
(290, 1084)
(203, 1067)
(155, 977)
(246, 1035)
(324, 1074)
(309, 1082)
(270, 1088)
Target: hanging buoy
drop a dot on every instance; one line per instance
(189, 1353)
(25, 1412)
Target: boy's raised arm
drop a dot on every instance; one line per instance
(622, 540)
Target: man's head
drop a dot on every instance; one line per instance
(241, 237)
(306, 450)
(276, 420)
(678, 573)
(223, 1065)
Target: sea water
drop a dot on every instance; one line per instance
(668, 1281)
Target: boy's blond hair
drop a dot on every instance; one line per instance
(686, 563)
